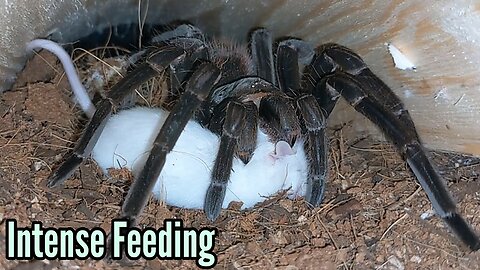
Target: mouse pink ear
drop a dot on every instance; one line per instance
(282, 149)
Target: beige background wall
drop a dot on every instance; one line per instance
(440, 37)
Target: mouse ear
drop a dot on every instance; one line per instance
(282, 149)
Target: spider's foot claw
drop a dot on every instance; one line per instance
(312, 200)
(245, 156)
(214, 200)
(315, 191)
(463, 230)
(64, 171)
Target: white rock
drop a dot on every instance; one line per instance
(416, 259)
(400, 59)
(427, 215)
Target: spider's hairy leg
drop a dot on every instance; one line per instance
(313, 79)
(343, 59)
(247, 142)
(197, 89)
(140, 74)
(262, 54)
(403, 135)
(337, 71)
(292, 53)
(182, 69)
(313, 120)
(181, 31)
(192, 40)
(316, 148)
(288, 70)
(232, 129)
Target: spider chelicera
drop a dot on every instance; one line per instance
(289, 94)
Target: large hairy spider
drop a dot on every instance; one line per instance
(289, 92)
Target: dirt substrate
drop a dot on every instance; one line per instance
(371, 218)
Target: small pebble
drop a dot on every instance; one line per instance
(37, 165)
(427, 215)
(416, 259)
(302, 219)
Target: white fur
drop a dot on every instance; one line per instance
(127, 138)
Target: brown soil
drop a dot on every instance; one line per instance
(370, 218)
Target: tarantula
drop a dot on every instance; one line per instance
(290, 93)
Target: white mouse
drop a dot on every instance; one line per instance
(183, 182)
